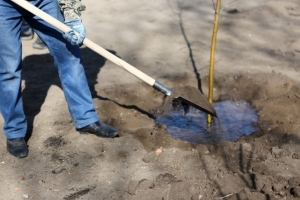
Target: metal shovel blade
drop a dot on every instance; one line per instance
(193, 97)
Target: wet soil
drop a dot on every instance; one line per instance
(257, 60)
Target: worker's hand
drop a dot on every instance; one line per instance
(71, 36)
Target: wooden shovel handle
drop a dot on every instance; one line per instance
(93, 46)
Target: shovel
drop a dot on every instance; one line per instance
(187, 94)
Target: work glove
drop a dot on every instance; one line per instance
(73, 37)
(71, 10)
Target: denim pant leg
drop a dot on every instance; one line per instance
(67, 59)
(11, 105)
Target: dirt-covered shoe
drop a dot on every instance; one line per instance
(39, 44)
(100, 129)
(17, 147)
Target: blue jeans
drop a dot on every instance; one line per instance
(67, 59)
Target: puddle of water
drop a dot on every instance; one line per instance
(236, 118)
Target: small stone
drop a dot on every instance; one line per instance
(192, 189)
(132, 187)
(145, 184)
(247, 147)
(294, 181)
(149, 157)
(276, 152)
(296, 156)
(259, 182)
(296, 191)
(277, 187)
(26, 196)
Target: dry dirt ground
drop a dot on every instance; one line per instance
(257, 60)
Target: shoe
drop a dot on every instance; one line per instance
(39, 44)
(26, 31)
(100, 129)
(17, 147)
(27, 34)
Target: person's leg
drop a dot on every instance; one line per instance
(11, 105)
(67, 59)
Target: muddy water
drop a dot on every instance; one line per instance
(235, 119)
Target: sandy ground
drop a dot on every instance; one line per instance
(257, 60)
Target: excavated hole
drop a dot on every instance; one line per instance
(235, 119)
(245, 104)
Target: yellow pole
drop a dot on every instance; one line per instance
(212, 59)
